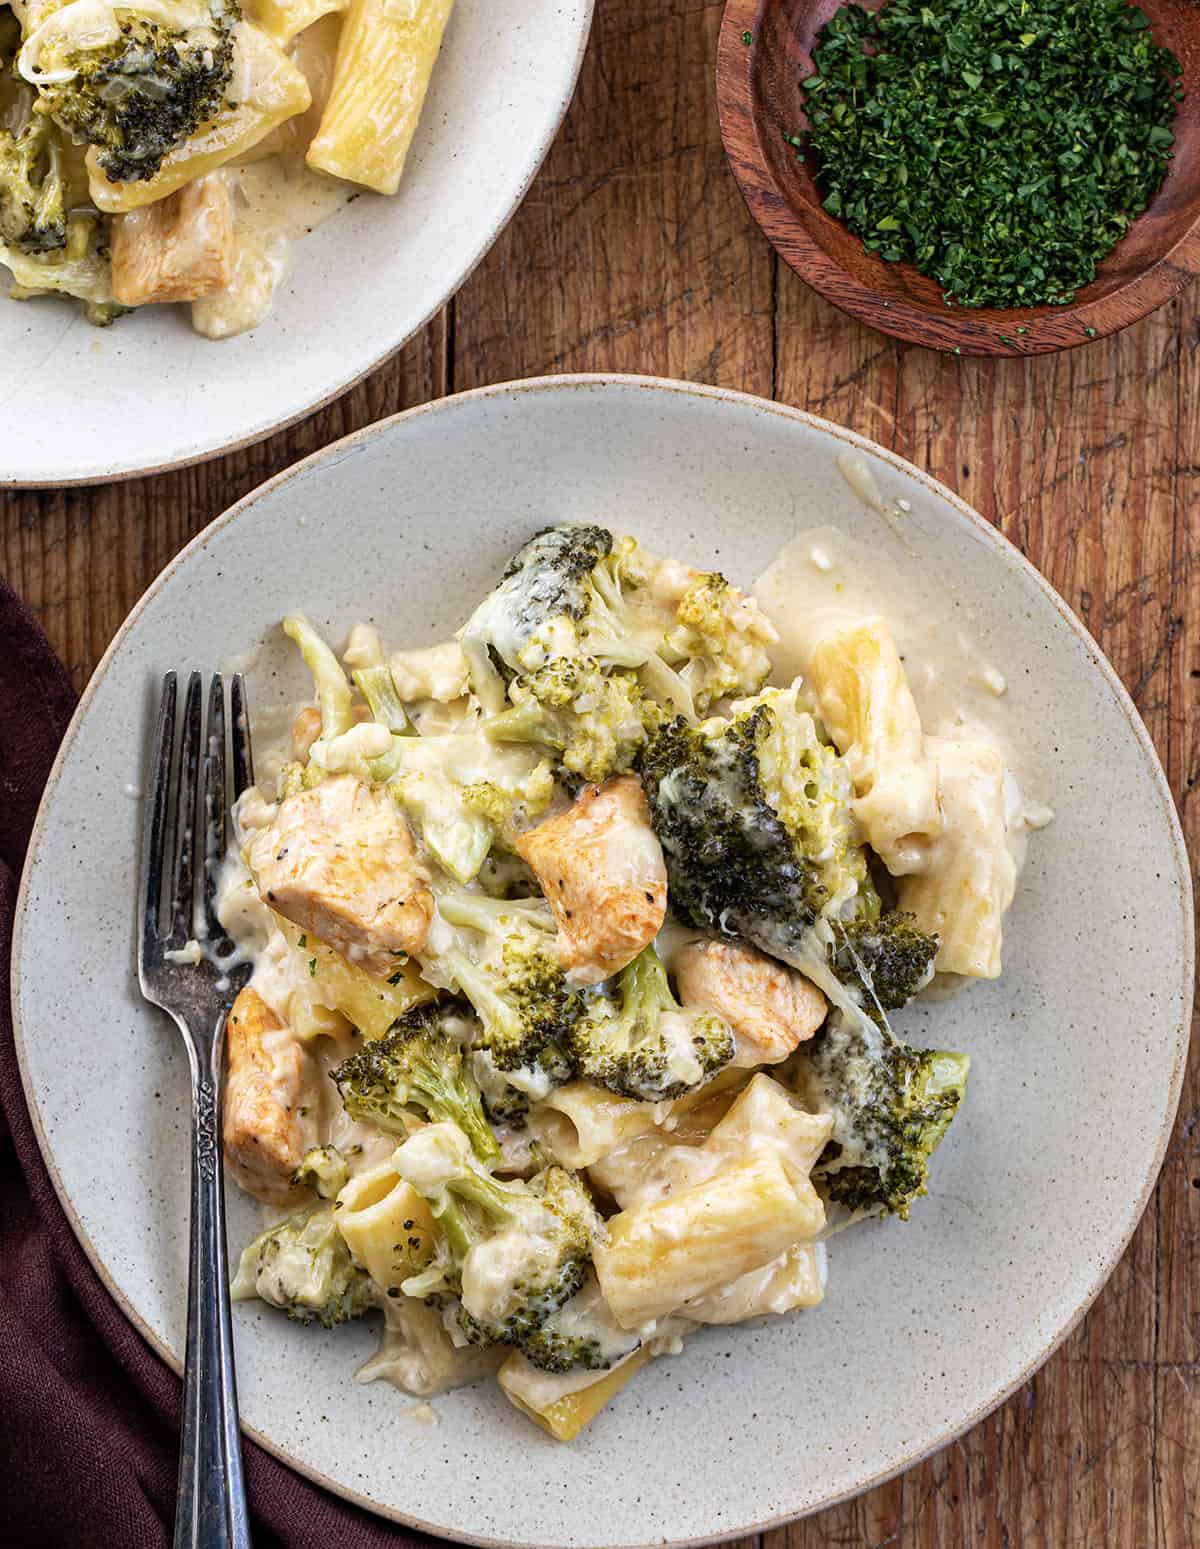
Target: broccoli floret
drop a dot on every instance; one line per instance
(436, 780)
(754, 816)
(582, 1333)
(324, 1169)
(544, 589)
(887, 959)
(891, 1105)
(640, 1043)
(302, 1266)
(595, 721)
(510, 811)
(503, 1103)
(33, 216)
(589, 636)
(503, 956)
(81, 269)
(722, 637)
(419, 1066)
(137, 88)
(516, 1251)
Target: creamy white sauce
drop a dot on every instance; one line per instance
(824, 581)
(276, 200)
(241, 661)
(860, 476)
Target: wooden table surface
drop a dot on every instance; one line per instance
(633, 252)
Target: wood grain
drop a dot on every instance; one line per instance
(765, 52)
(634, 252)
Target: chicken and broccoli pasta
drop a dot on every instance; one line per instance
(577, 942)
(166, 150)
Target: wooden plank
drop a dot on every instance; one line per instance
(633, 252)
(81, 558)
(1177, 1369)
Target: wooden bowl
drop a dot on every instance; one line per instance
(765, 52)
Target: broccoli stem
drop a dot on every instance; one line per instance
(479, 1188)
(645, 993)
(377, 688)
(333, 691)
(500, 1022)
(528, 722)
(454, 1101)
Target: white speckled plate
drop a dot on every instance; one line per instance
(149, 393)
(1078, 1050)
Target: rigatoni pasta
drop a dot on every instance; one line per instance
(386, 1225)
(659, 1256)
(580, 1123)
(970, 877)
(858, 681)
(385, 60)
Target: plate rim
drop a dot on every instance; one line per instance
(1006, 552)
(254, 438)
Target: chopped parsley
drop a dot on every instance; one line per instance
(312, 968)
(1002, 146)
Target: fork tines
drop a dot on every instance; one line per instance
(188, 805)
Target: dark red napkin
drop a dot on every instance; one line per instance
(89, 1416)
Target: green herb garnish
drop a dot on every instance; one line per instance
(1002, 146)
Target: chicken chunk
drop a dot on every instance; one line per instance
(339, 860)
(266, 1128)
(770, 1008)
(601, 868)
(177, 249)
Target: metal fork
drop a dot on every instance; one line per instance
(189, 800)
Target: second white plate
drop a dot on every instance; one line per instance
(81, 403)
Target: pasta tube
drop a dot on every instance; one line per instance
(765, 1117)
(368, 1002)
(386, 1225)
(579, 1123)
(266, 89)
(385, 59)
(867, 706)
(667, 1252)
(794, 1279)
(564, 1405)
(971, 876)
(284, 20)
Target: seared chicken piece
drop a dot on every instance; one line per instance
(339, 860)
(770, 1008)
(306, 728)
(267, 1127)
(177, 249)
(601, 867)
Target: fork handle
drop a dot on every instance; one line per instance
(211, 1511)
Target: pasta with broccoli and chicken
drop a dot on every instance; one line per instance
(578, 943)
(162, 151)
